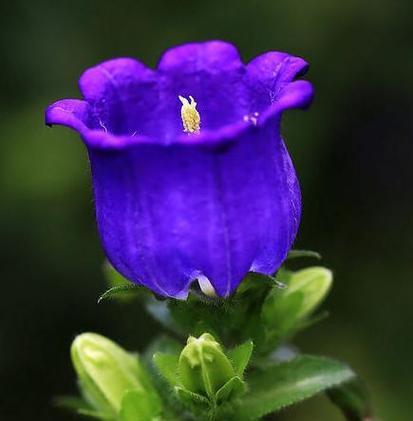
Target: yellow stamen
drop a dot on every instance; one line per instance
(191, 119)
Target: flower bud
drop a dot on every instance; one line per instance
(283, 311)
(313, 283)
(106, 372)
(203, 367)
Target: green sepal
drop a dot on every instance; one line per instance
(256, 281)
(81, 407)
(240, 357)
(90, 413)
(194, 316)
(294, 254)
(167, 364)
(119, 287)
(120, 291)
(139, 406)
(191, 398)
(353, 400)
(232, 389)
(279, 311)
(285, 384)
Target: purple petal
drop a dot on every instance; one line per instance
(270, 74)
(73, 113)
(211, 72)
(123, 95)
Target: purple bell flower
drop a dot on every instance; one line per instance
(192, 180)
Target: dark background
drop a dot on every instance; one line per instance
(353, 151)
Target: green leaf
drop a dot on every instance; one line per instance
(285, 384)
(119, 290)
(294, 254)
(167, 365)
(233, 388)
(240, 357)
(139, 406)
(353, 400)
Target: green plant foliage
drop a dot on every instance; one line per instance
(232, 389)
(229, 369)
(240, 357)
(105, 373)
(136, 406)
(282, 385)
(119, 291)
(353, 400)
(168, 366)
(113, 277)
(203, 374)
(286, 311)
(80, 406)
(294, 254)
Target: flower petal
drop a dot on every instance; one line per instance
(123, 95)
(270, 74)
(298, 94)
(285, 205)
(73, 113)
(211, 72)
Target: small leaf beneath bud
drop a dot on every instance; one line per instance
(240, 357)
(191, 397)
(233, 388)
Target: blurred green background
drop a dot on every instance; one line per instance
(353, 151)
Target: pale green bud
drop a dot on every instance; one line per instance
(203, 367)
(106, 372)
(314, 283)
(283, 310)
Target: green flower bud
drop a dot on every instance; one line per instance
(106, 372)
(313, 283)
(203, 367)
(283, 310)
